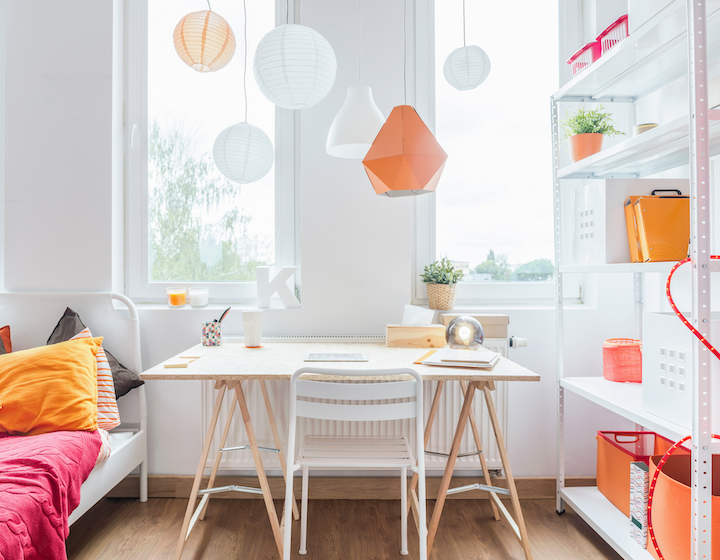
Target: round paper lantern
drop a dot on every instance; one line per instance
(467, 67)
(243, 153)
(294, 66)
(204, 41)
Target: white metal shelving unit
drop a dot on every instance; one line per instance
(677, 42)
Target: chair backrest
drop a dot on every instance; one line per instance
(378, 400)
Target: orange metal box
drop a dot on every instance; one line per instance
(663, 226)
(615, 452)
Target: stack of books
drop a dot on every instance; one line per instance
(450, 357)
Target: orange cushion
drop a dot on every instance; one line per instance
(49, 388)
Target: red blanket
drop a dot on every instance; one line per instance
(40, 479)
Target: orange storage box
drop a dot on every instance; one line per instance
(615, 452)
(671, 512)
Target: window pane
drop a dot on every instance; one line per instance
(494, 201)
(201, 226)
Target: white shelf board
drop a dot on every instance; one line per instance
(653, 56)
(662, 267)
(662, 148)
(607, 520)
(624, 399)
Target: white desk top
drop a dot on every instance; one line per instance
(278, 360)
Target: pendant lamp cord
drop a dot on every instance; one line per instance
(359, 35)
(245, 62)
(405, 50)
(209, 8)
(464, 44)
(287, 12)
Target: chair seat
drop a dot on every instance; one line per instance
(355, 452)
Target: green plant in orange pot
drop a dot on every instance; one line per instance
(586, 129)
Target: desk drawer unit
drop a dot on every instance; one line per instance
(440, 439)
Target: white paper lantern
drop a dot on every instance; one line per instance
(204, 41)
(467, 67)
(294, 66)
(243, 153)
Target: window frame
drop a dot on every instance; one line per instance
(287, 238)
(424, 211)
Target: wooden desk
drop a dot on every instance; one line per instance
(231, 364)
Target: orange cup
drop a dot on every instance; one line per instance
(177, 297)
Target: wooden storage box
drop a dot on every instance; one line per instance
(400, 336)
(494, 326)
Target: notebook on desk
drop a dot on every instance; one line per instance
(450, 357)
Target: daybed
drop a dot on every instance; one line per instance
(33, 316)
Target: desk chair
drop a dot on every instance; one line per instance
(391, 400)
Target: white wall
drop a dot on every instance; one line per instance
(58, 151)
(356, 246)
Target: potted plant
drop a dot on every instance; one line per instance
(586, 129)
(441, 278)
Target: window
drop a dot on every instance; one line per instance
(493, 208)
(188, 224)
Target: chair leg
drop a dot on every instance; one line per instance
(143, 481)
(289, 497)
(303, 514)
(403, 511)
(422, 514)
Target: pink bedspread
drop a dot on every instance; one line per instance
(40, 479)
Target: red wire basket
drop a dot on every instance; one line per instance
(584, 57)
(613, 34)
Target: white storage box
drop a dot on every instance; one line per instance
(667, 384)
(594, 230)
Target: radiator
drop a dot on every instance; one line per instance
(440, 438)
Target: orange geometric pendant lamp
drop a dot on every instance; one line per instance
(405, 159)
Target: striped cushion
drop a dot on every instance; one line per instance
(108, 413)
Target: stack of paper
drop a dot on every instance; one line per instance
(450, 357)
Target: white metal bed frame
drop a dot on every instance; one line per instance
(32, 317)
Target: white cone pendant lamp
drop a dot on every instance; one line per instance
(243, 153)
(356, 125)
(294, 66)
(204, 41)
(467, 67)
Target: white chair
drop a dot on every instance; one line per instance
(354, 452)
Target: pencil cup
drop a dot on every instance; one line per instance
(212, 333)
(252, 327)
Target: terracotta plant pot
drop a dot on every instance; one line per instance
(584, 145)
(441, 296)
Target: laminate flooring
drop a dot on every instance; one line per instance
(125, 529)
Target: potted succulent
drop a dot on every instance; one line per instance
(586, 129)
(441, 277)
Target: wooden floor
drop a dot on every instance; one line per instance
(125, 529)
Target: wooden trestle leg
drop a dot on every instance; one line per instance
(518, 524)
(267, 495)
(221, 387)
(278, 443)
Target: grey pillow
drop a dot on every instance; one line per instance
(68, 326)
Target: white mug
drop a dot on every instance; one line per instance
(252, 325)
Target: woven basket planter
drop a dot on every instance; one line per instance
(441, 296)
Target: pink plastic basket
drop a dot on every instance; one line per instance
(584, 57)
(614, 33)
